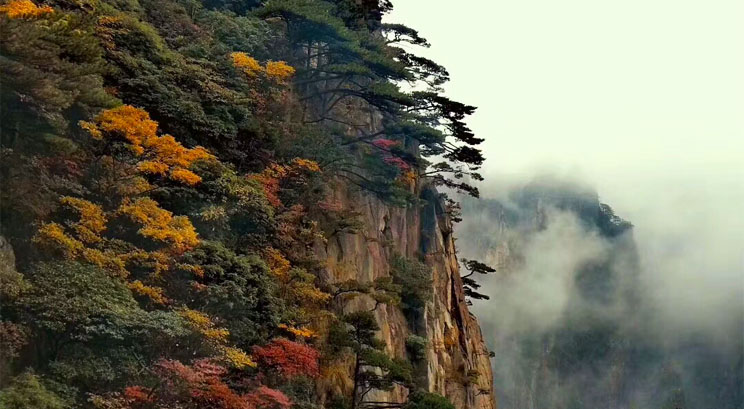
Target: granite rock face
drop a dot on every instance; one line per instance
(458, 364)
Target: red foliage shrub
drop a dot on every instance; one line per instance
(199, 384)
(266, 398)
(385, 144)
(288, 358)
(397, 162)
(138, 394)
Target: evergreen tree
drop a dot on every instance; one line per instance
(470, 286)
(373, 369)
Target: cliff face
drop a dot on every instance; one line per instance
(457, 365)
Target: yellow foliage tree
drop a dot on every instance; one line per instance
(302, 332)
(298, 287)
(24, 9)
(120, 184)
(247, 64)
(277, 71)
(305, 164)
(53, 235)
(160, 225)
(203, 324)
(81, 239)
(153, 293)
(155, 155)
(278, 264)
(92, 220)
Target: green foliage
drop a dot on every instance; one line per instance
(12, 283)
(27, 392)
(416, 347)
(237, 6)
(343, 60)
(88, 324)
(374, 368)
(181, 74)
(469, 284)
(382, 291)
(414, 278)
(302, 392)
(426, 400)
(147, 260)
(395, 370)
(356, 331)
(52, 71)
(339, 402)
(238, 289)
(225, 206)
(79, 300)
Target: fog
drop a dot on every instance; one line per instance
(642, 102)
(675, 299)
(534, 298)
(689, 234)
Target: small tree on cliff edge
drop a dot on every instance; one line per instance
(373, 368)
(469, 284)
(426, 400)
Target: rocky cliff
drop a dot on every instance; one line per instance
(458, 364)
(168, 223)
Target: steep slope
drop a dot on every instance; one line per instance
(458, 364)
(229, 204)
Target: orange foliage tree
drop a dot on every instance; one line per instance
(117, 226)
(118, 181)
(199, 385)
(288, 358)
(153, 154)
(24, 9)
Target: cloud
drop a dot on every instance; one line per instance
(672, 302)
(536, 295)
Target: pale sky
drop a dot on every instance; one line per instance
(597, 86)
(643, 99)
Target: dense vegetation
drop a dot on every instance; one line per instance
(164, 165)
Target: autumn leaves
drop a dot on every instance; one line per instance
(277, 71)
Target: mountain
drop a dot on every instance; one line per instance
(568, 316)
(230, 204)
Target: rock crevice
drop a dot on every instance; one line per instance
(458, 364)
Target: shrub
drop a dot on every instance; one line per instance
(426, 400)
(416, 347)
(27, 391)
(414, 278)
(288, 358)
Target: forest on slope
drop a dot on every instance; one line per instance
(165, 167)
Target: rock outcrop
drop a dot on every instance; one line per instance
(458, 364)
